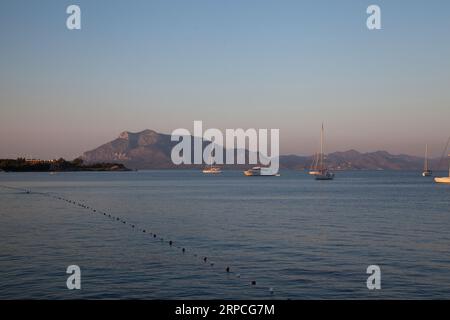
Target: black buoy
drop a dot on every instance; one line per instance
(205, 258)
(154, 236)
(183, 250)
(170, 242)
(253, 283)
(228, 269)
(143, 230)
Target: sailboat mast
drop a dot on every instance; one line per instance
(321, 148)
(314, 162)
(426, 158)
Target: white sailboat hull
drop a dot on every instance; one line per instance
(325, 176)
(207, 171)
(442, 180)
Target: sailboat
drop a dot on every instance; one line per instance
(426, 171)
(212, 169)
(323, 172)
(444, 179)
(313, 170)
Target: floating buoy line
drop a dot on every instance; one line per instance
(204, 259)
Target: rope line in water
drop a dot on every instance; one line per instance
(171, 243)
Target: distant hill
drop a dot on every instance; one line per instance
(151, 150)
(354, 160)
(143, 150)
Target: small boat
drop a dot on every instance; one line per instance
(444, 179)
(212, 169)
(260, 171)
(426, 171)
(323, 172)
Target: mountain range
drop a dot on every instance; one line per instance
(151, 150)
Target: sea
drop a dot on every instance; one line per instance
(177, 234)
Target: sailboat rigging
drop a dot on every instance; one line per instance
(323, 172)
(426, 170)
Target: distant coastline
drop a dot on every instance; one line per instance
(59, 165)
(150, 150)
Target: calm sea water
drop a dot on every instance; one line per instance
(306, 239)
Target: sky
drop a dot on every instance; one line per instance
(161, 64)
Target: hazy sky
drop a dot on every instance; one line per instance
(235, 63)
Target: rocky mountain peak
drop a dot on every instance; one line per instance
(124, 135)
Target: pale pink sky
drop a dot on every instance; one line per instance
(163, 65)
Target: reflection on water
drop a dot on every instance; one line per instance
(304, 238)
